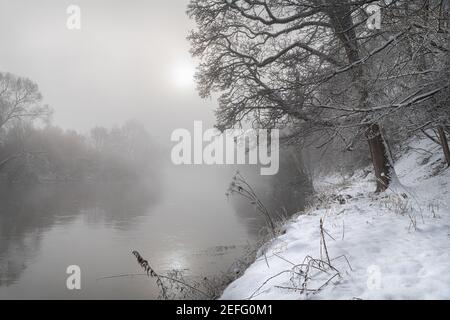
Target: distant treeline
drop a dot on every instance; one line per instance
(30, 154)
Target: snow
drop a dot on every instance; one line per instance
(395, 245)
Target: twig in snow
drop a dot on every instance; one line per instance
(343, 229)
(323, 242)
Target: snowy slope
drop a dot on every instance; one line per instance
(397, 244)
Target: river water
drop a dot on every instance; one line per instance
(182, 220)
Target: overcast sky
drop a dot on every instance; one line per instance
(123, 63)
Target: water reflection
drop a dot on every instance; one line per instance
(27, 212)
(183, 221)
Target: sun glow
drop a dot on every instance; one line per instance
(182, 74)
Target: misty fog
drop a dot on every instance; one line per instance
(92, 179)
(207, 149)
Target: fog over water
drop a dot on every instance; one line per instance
(130, 60)
(97, 228)
(123, 64)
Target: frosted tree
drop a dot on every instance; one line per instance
(20, 100)
(310, 66)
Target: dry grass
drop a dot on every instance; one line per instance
(173, 285)
(241, 187)
(312, 275)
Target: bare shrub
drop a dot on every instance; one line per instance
(242, 188)
(399, 204)
(172, 285)
(312, 275)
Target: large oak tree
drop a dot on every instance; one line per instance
(311, 65)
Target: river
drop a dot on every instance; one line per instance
(182, 220)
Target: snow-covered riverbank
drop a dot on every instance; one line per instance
(390, 246)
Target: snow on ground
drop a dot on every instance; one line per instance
(397, 244)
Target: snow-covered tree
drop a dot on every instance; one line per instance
(315, 66)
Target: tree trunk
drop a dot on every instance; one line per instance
(444, 144)
(339, 12)
(380, 157)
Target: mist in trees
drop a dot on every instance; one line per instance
(34, 150)
(347, 95)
